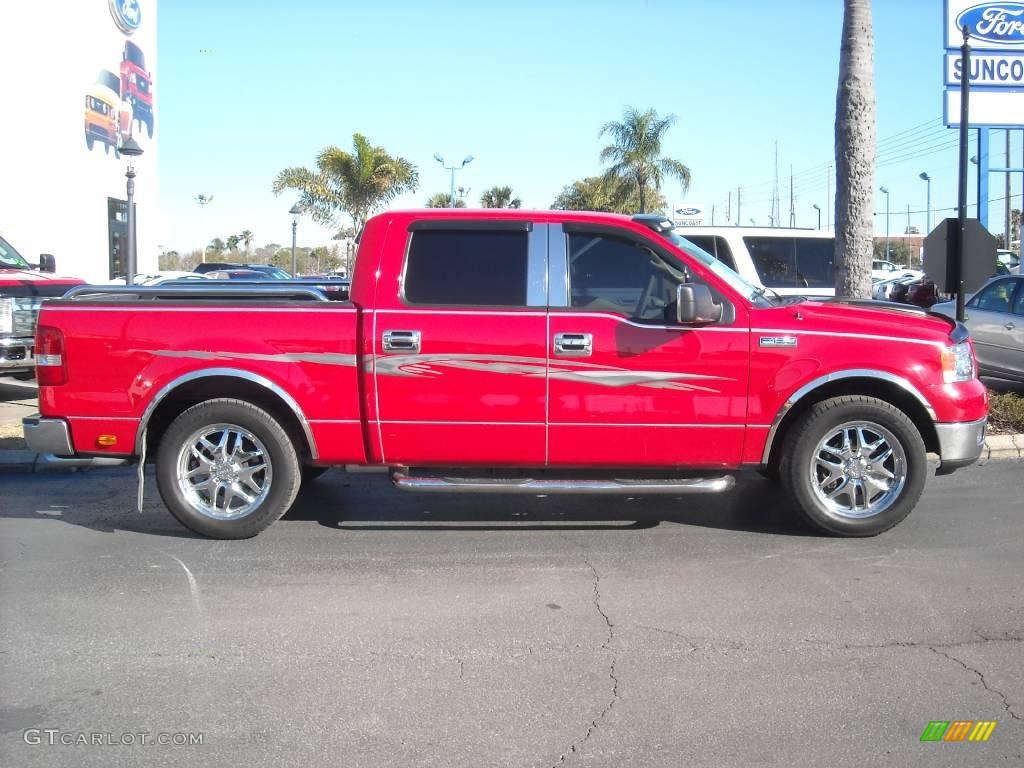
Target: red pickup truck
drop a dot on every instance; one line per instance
(500, 351)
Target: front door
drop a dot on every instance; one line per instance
(459, 357)
(627, 386)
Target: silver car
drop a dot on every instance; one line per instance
(995, 317)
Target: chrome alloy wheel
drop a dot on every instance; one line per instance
(224, 471)
(858, 470)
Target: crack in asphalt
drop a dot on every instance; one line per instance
(605, 646)
(981, 677)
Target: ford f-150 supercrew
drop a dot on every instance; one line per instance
(500, 351)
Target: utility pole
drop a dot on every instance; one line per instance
(828, 197)
(775, 189)
(792, 210)
(1006, 200)
(728, 209)
(712, 214)
(739, 191)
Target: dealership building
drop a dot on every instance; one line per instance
(80, 78)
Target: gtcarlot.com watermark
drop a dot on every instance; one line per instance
(55, 736)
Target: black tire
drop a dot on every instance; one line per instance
(283, 474)
(89, 141)
(149, 127)
(24, 375)
(799, 459)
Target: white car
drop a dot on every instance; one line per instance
(159, 278)
(884, 270)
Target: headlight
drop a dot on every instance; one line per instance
(6, 315)
(957, 363)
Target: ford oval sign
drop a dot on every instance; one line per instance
(994, 22)
(127, 14)
(688, 211)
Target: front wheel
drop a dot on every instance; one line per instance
(227, 469)
(856, 465)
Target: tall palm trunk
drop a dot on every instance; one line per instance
(855, 152)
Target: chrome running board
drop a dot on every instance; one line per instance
(436, 483)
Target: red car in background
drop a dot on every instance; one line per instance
(137, 85)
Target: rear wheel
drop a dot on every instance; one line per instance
(855, 465)
(227, 469)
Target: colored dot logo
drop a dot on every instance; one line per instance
(206, 50)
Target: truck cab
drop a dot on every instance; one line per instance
(22, 290)
(137, 85)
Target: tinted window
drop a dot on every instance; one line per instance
(814, 262)
(716, 246)
(611, 275)
(995, 297)
(480, 268)
(788, 262)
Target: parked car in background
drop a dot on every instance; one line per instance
(1008, 258)
(882, 290)
(995, 317)
(159, 278)
(883, 270)
(275, 273)
(23, 287)
(791, 262)
(238, 274)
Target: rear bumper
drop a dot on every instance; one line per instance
(960, 444)
(16, 355)
(52, 439)
(47, 435)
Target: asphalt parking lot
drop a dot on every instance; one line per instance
(372, 628)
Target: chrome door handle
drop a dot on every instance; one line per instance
(573, 344)
(1009, 326)
(401, 341)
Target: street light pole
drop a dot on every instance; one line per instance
(453, 168)
(295, 210)
(885, 192)
(131, 149)
(928, 215)
(818, 209)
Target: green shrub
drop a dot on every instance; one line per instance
(1006, 411)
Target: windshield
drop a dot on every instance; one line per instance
(738, 283)
(109, 79)
(10, 257)
(133, 53)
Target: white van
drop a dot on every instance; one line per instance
(792, 262)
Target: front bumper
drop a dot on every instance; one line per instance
(16, 355)
(47, 435)
(960, 444)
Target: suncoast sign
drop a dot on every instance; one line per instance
(996, 36)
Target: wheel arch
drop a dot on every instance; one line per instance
(893, 389)
(210, 383)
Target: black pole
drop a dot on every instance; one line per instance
(130, 268)
(958, 262)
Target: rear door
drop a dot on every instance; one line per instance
(459, 352)
(627, 386)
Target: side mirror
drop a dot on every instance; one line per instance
(695, 306)
(47, 263)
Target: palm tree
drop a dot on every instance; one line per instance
(444, 200)
(855, 152)
(499, 197)
(599, 193)
(246, 238)
(233, 242)
(216, 246)
(635, 152)
(358, 183)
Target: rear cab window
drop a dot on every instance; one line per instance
(453, 267)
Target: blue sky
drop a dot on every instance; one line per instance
(525, 87)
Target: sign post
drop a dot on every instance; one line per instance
(961, 245)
